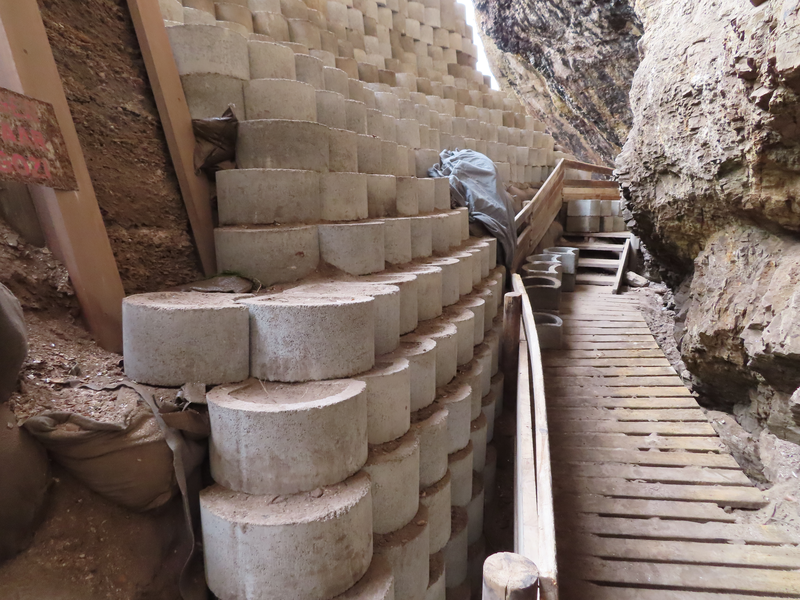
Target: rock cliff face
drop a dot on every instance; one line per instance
(711, 175)
(570, 63)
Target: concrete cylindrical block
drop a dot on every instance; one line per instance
(436, 498)
(269, 254)
(430, 425)
(421, 356)
(393, 468)
(429, 291)
(330, 109)
(407, 201)
(282, 144)
(450, 278)
(370, 157)
(421, 237)
(464, 320)
(460, 465)
(549, 330)
(407, 551)
(488, 407)
(172, 338)
(436, 578)
(271, 24)
(325, 537)
(209, 49)
(382, 197)
(343, 196)
(440, 236)
(408, 134)
(279, 99)
(475, 510)
(397, 239)
(455, 397)
(388, 400)
(546, 269)
(270, 61)
(356, 248)
(426, 194)
(544, 292)
(442, 193)
(343, 151)
(492, 340)
(478, 435)
(376, 584)
(455, 552)
(256, 425)
(444, 334)
(310, 338)
(483, 354)
(356, 116)
(425, 159)
(569, 257)
(407, 282)
(477, 306)
(208, 95)
(265, 196)
(466, 261)
(471, 374)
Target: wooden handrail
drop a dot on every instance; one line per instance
(549, 185)
(591, 183)
(582, 166)
(538, 542)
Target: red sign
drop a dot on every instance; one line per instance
(32, 149)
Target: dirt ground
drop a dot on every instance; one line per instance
(104, 77)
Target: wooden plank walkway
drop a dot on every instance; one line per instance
(645, 492)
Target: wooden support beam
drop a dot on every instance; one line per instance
(619, 280)
(582, 166)
(512, 309)
(177, 123)
(71, 221)
(590, 183)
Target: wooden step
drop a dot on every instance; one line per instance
(598, 263)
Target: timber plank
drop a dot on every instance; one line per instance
(627, 414)
(598, 263)
(633, 315)
(733, 496)
(616, 392)
(584, 329)
(590, 345)
(682, 475)
(623, 353)
(551, 362)
(691, 576)
(738, 555)
(620, 381)
(635, 442)
(633, 403)
(611, 336)
(581, 590)
(601, 371)
(635, 427)
(637, 508)
(635, 457)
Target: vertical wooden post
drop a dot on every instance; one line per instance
(177, 123)
(509, 576)
(512, 311)
(71, 221)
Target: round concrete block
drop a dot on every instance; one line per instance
(471, 375)
(271, 24)
(436, 578)
(309, 69)
(466, 261)
(454, 228)
(234, 13)
(421, 356)
(330, 109)
(355, 248)
(408, 134)
(279, 99)
(310, 338)
(475, 510)
(429, 291)
(484, 252)
(430, 426)
(397, 238)
(407, 201)
(436, 498)
(426, 191)
(376, 584)
(356, 115)
(196, 16)
(545, 257)
(265, 196)
(464, 320)
(569, 257)
(282, 144)
(463, 213)
(455, 397)
(208, 95)
(440, 236)
(455, 552)
(382, 198)
(489, 473)
(389, 157)
(487, 295)
(256, 425)
(407, 551)
(325, 536)
(488, 406)
(270, 61)
(460, 465)
(476, 264)
(407, 282)
(304, 32)
(477, 306)
(336, 80)
(343, 151)
(546, 269)
(209, 49)
(492, 250)
(369, 155)
(388, 400)
(548, 329)
(375, 123)
(172, 338)
(343, 196)
(425, 158)
(544, 292)
(387, 103)
(269, 254)
(401, 163)
(420, 237)
(478, 437)
(450, 279)
(483, 354)
(393, 468)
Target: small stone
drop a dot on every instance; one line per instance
(317, 493)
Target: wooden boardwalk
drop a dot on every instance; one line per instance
(644, 489)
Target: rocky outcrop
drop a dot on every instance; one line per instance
(711, 177)
(570, 63)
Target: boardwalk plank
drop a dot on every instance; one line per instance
(627, 414)
(636, 508)
(635, 442)
(636, 457)
(679, 475)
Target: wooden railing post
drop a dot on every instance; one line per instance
(512, 312)
(509, 576)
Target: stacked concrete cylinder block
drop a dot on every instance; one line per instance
(344, 106)
(568, 257)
